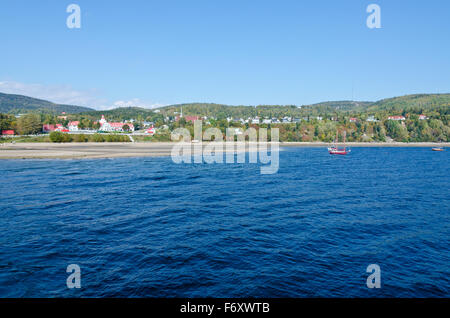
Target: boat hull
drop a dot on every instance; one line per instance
(338, 152)
(335, 151)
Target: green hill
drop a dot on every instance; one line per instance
(406, 103)
(223, 111)
(417, 101)
(15, 104)
(334, 106)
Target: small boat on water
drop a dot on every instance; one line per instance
(438, 149)
(335, 150)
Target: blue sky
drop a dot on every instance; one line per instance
(238, 52)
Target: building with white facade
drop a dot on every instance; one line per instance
(110, 127)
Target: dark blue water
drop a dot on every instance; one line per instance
(146, 227)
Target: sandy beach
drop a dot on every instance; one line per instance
(117, 150)
(83, 150)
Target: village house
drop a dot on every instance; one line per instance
(255, 120)
(147, 123)
(151, 131)
(73, 125)
(423, 117)
(397, 118)
(8, 132)
(286, 120)
(47, 128)
(188, 118)
(275, 120)
(353, 120)
(106, 126)
(371, 119)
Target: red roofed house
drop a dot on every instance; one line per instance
(353, 120)
(8, 132)
(189, 118)
(422, 117)
(58, 127)
(73, 125)
(151, 131)
(396, 118)
(48, 128)
(61, 128)
(105, 126)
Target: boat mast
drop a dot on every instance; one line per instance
(345, 133)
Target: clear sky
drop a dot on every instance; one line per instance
(239, 52)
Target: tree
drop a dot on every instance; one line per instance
(29, 124)
(126, 128)
(316, 130)
(6, 122)
(396, 131)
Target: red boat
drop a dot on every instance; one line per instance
(335, 150)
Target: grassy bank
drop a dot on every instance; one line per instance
(27, 139)
(154, 138)
(58, 137)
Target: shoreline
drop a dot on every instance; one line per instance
(148, 149)
(368, 144)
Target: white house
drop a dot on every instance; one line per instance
(371, 119)
(105, 126)
(73, 125)
(397, 118)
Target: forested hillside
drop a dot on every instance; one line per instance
(16, 104)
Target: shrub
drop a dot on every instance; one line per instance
(116, 138)
(57, 136)
(98, 138)
(67, 138)
(80, 138)
(108, 138)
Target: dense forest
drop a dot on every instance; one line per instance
(17, 104)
